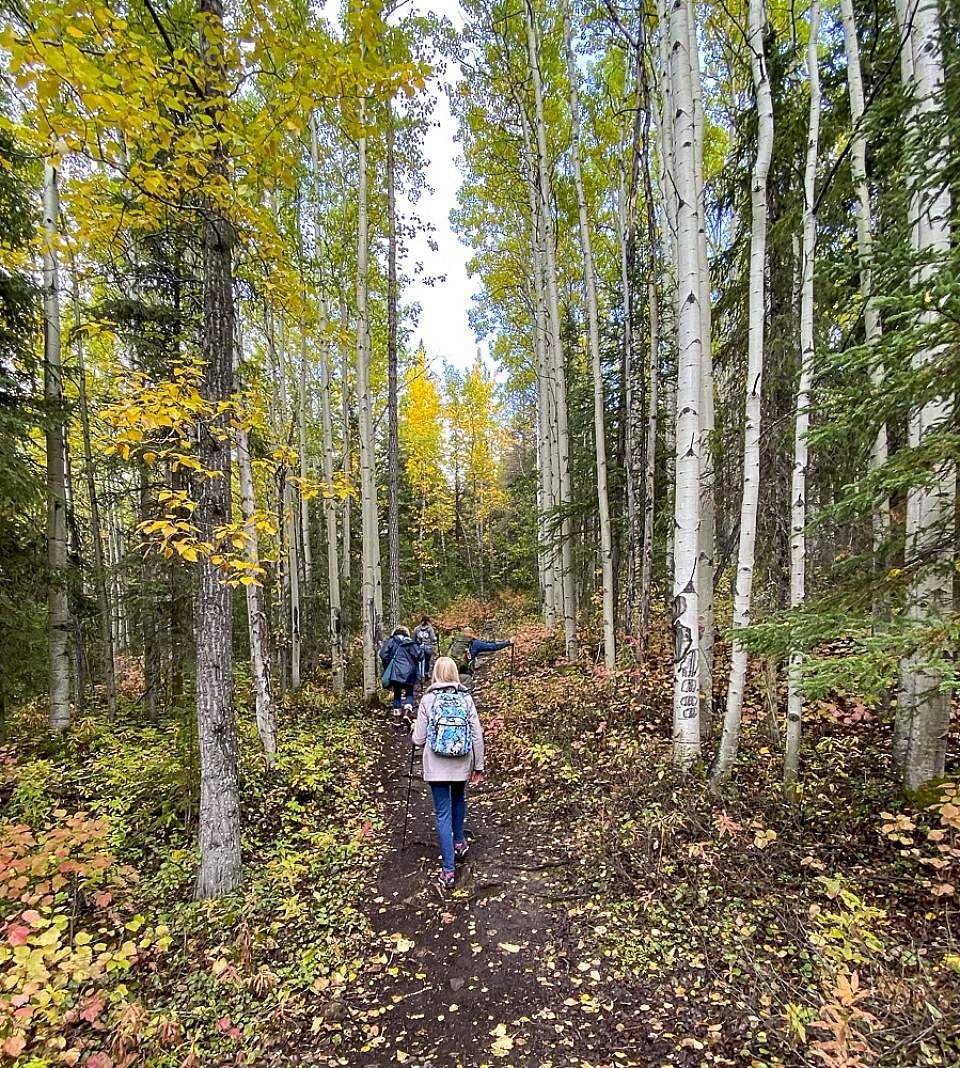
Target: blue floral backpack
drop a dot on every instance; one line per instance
(448, 728)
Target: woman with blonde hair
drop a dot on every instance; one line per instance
(448, 728)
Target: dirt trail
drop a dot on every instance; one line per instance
(493, 974)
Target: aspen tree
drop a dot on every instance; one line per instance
(871, 313)
(96, 530)
(743, 585)
(219, 819)
(707, 535)
(798, 485)
(346, 437)
(393, 444)
(370, 608)
(923, 713)
(326, 423)
(257, 628)
(653, 375)
(291, 511)
(58, 607)
(562, 474)
(547, 461)
(686, 631)
(303, 509)
(593, 335)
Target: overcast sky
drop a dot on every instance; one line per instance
(443, 321)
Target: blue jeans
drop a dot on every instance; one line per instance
(426, 664)
(402, 694)
(450, 803)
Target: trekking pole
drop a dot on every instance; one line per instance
(513, 659)
(406, 811)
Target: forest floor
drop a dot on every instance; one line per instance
(610, 913)
(498, 971)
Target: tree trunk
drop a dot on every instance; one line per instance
(707, 534)
(545, 451)
(923, 716)
(304, 503)
(330, 516)
(152, 656)
(798, 491)
(220, 867)
(634, 599)
(593, 325)
(96, 531)
(368, 484)
(293, 578)
(58, 605)
(559, 371)
(743, 587)
(653, 306)
(346, 466)
(686, 634)
(871, 313)
(257, 629)
(393, 439)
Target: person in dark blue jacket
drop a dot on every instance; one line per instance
(403, 655)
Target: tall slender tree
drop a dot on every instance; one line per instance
(220, 865)
(746, 553)
(923, 713)
(593, 338)
(689, 441)
(798, 484)
(58, 606)
(558, 372)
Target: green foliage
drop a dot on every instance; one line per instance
(202, 980)
(21, 415)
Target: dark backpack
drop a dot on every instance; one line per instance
(460, 652)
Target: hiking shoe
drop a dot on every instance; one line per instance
(445, 882)
(460, 851)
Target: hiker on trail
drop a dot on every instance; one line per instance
(468, 645)
(449, 730)
(427, 637)
(401, 656)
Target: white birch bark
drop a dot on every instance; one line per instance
(743, 588)
(653, 377)
(663, 118)
(686, 608)
(798, 486)
(923, 717)
(906, 700)
(257, 628)
(545, 437)
(371, 608)
(290, 512)
(330, 518)
(593, 335)
(556, 348)
(346, 464)
(58, 607)
(304, 504)
(632, 613)
(707, 536)
(871, 313)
